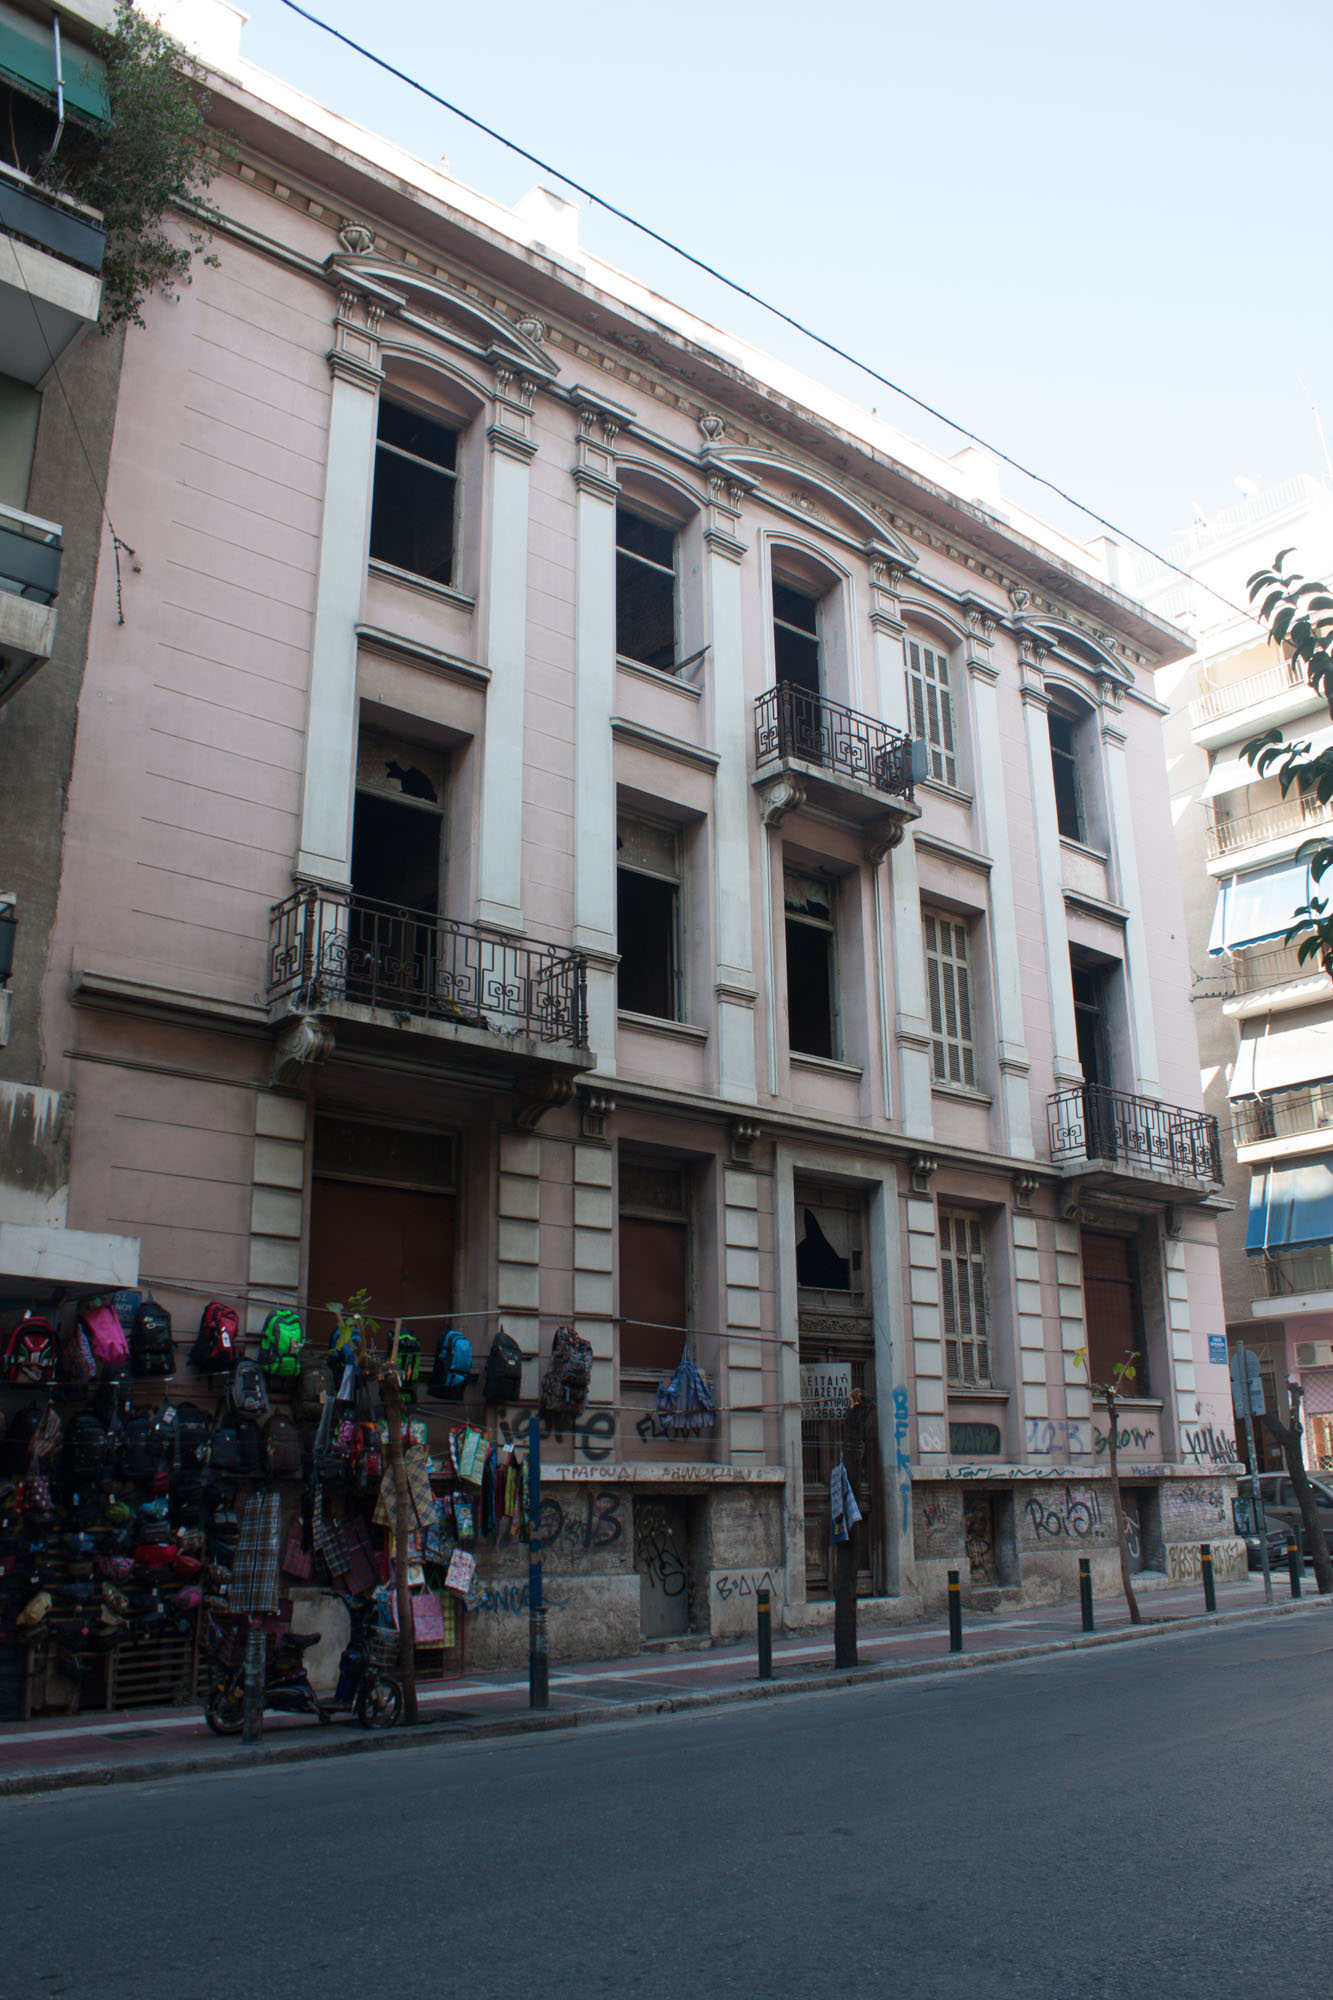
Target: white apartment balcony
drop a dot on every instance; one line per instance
(29, 584)
(50, 274)
(1276, 695)
(1280, 827)
(1271, 980)
(1290, 1282)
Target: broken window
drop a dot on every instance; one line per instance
(416, 486)
(930, 706)
(796, 649)
(648, 918)
(964, 1299)
(949, 984)
(398, 853)
(645, 591)
(830, 1239)
(654, 1259)
(811, 927)
(1069, 813)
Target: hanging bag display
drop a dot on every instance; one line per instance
(106, 1337)
(280, 1345)
(249, 1391)
(453, 1365)
(152, 1353)
(566, 1382)
(77, 1365)
(685, 1406)
(504, 1370)
(214, 1350)
(30, 1353)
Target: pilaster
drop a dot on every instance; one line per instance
(745, 1352)
(594, 1240)
(734, 983)
(518, 1250)
(277, 1204)
(1121, 816)
(1066, 1066)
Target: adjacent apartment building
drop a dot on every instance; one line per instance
(573, 822)
(1265, 1021)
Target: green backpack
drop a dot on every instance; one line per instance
(280, 1345)
(409, 1363)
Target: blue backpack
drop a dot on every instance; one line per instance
(453, 1365)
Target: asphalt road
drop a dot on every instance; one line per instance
(1141, 1822)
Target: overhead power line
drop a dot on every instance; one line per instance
(766, 305)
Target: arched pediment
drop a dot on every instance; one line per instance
(818, 496)
(467, 323)
(1097, 655)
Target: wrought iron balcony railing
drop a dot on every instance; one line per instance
(1283, 1114)
(326, 948)
(1286, 1273)
(1090, 1122)
(1291, 815)
(791, 722)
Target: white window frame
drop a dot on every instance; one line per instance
(965, 1298)
(951, 997)
(930, 706)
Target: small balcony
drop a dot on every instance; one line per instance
(1288, 1274)
(29, 584)
(380, 972)
(1109, 1137)
(1215, 704)
(1292, 815)
(844, 761)
(1294, 1113)
(51, 251)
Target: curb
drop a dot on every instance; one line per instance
(318, 1747)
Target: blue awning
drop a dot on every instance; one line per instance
(1291, 1206)
(1259, 907)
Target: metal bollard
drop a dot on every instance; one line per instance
(1206, 1571)
(1085, 1590)
(765, 1602)
(1294, 1565)
(955, 1613)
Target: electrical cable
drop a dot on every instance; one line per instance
(766, 305)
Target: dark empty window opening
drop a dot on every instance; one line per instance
(416, 480)
(795, 638)
(1090, 1025)
(1065, 771)
(830, 1224)
(648, 919)
(396, 854)
(645, 591)
(1114, 1310)
(654, 1261)
(811, 1010)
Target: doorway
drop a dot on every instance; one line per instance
(662, 1559)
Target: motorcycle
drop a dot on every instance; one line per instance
(364, 1689)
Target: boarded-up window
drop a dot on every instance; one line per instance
(1114, 1313)
(654, 1258)
(949, 980)
(930, 706)
(963, 1297)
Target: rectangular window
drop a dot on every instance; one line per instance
(949, 981)
(963, 1290)
(811, 922)
(930, 705)
(648, 918)
(654, 1260)
(795, 638)
(416, 482)
(1114, 1312)
(1064, 769)
(645, 591)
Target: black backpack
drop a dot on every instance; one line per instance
(284, 1448)
(151, 1349)
(89, 1447)
(504, 1370)
(565, 1383)
(192, 1429)
(145, 1448)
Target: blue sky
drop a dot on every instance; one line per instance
(1093, 235)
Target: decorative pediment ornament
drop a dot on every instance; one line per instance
(595, 1107)
(814, 494)
(923, 1167)
(431, 307)
(357, 238)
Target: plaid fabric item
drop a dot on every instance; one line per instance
(254, 1572)
(362, 1574)
(326, 1533)
(420, 1499)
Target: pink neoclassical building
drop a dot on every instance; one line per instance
(580, 824)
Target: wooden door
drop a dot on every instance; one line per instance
(397, 1243)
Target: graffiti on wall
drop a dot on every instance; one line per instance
(1207, 1445)
(1187, 1499)
(901, 1426)
(937, 1526)
(1046, 1436)
(1072, 1516)
(575, 1525)
(1183, 1564)
(732, 1586)
(1128, 1437)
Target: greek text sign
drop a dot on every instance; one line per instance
(826, 1389)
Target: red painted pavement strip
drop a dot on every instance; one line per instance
(122, 1738)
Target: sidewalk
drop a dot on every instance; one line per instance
(122, 1747)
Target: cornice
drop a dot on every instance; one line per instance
(640, 737)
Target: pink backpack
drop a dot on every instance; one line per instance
(106, 1337)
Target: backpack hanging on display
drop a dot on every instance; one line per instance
(145, 1449)
(685, 1405)
(504, 1370)
(192, 1429)
(214, 1350)
(151, 1349)
(284, 1448)
(565, 1383)
(249, 1391)
(280, 1345)
(409, 1362)
(88, 1447)
(453, 1365)
(30, 1353)
(76, 1364)
(106, 1337)
(224, 1446)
